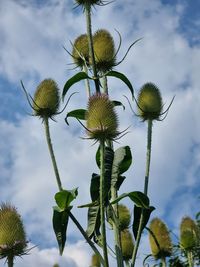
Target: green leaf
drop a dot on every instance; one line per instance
(139, 198)
(94, 187)
(60, 222)
(76, 78)
(137, 215)
(92, 204)
(77, 113)
(65, 197)
(123, 78)
(93, 220)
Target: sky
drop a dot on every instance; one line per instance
(32, 35)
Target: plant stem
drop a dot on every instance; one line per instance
(127, 263)
(91, 47)
(146, 182)
(190, 259)
(50, 146)
(10, 261)
(104, 84)
(102, 201)
(87, 84)
(163, 260)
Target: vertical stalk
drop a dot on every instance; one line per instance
(102, 201)
(104, 84)
(146, 182)
(50, 146)
(87, 84)
(164, 264)
(127, 263)
(91, 47)
(190, 259)
(10, 261)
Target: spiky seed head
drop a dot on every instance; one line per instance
(95, 261)
(56, 265)
(101, 118)
(12, 235)
(46, 99)
(104, 50)
(88, 2)
(80, 51)
(150, 102)
(124, 217)
(160, 233)
(189, 233)
(127, 244)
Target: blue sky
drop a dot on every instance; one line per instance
(32, 35)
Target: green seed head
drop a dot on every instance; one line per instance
(124, 217)
(102, 122)
(95, 261)
(189, 234)
(104, 50)
(163, 247)
(46, 99)
(149, 102)
(12, 234)
(127, 245)
(56, 265)
(80, 51)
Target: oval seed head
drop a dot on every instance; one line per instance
(163, 247)
(88, 2)
(104, 50)
(149, 102)
(95, 261)
(101, 118)
(127, 244)
(80, 51)
(46, 99)
(189, 233)
(124, 217)
(12, 235)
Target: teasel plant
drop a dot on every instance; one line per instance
(45, 105)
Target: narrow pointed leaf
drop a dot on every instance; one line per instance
(137, 214)
(60, 222)
(77, 113)
(94, 187)
(93, 220)
(64, 198)
(123, 78)
(76, 78)
(139, 198)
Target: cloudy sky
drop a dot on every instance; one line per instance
(32, 34)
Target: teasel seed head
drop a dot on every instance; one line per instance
(189, 234)
(80, 51)
(150, 102)
(12, 235)
(46, 99)
(101, 118)
(124, 217)
(104, 50)
(88, 2)
(127, 244)
(159, 238)
(95, 262)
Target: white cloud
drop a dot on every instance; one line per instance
(31, 49)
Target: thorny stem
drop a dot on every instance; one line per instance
(163, 260)
(102, 201)
(10, 261)
(50, 146)
(91, 47)
(104, 84)
(87, 83)
(148, 160)
(190, 259)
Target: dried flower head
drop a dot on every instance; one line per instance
(159, 238)
(88, 2)
(12, 235)
(127, 244)
(46, 99)
(104, 50)
(189, 233)
(149, 102)
(95, 261)
(102, 122)
(80, 51)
